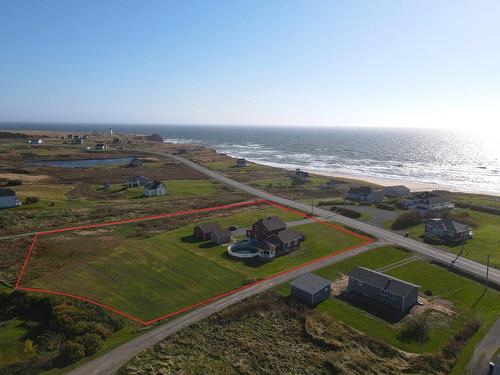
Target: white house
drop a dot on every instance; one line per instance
(154, 188)
(426, 201)
(397, 191)
(137, 181)
(37, 141)
(101, 146)
(8, 198)
(240, 162)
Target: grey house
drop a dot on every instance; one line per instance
(310, 288)
(382, 288)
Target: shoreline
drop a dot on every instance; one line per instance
(416, 186)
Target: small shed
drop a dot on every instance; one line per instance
(311, 289)
(203, 231)
(241, 162)
(220, 236)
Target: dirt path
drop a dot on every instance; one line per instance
(485, 350)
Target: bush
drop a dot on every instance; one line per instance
(91, 342)
(71, 352)
(415, 329)
(31, 200)
(475, 207)
(428, 293)
(347, 212)
(384, 206)
(406, 220)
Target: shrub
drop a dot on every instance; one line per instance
(428, 293)
(29, 348)
(347, 212)
(384, 206)
(14, 183)
(30, 200)
(91, 342)
(406, 220)
(415, 329)
(71, 352)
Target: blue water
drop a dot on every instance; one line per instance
(464, 161)
(82, 163)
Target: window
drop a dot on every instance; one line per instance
(393, 296)
(383, 292)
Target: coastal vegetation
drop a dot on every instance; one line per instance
(39, 333)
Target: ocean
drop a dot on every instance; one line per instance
(464, 161)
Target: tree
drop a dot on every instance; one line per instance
(71, 352)
(91, 342)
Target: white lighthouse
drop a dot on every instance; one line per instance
(111, 132)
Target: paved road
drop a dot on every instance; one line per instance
(444, 257)
(485, 350)
(110, 362)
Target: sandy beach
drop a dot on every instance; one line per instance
(411, 184)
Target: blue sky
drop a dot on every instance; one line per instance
(322, 63)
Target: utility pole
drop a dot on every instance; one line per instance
(465, 237)
(312, 206)
(487, 270)
(69, 203)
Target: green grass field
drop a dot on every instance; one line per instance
(153, 276)
(12, 337)
(468, 298)
(486, 239)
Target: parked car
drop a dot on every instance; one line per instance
(232, 227)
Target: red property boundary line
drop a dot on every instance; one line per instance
(366, 240)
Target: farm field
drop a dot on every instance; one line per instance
(466, 298)
(149, 276)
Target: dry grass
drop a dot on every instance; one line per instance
(272, 335)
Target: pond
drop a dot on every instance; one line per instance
(82, 163)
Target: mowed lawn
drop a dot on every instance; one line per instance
(468, 299)
(153, 276)
(486, 239)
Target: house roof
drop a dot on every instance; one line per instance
(7, 193)
(153, 185)
(209, 227)
(382, 281)
(221, 232)
(273, 223)
(447, 225)
(288, 235)
(360, 190)
(310, 283)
